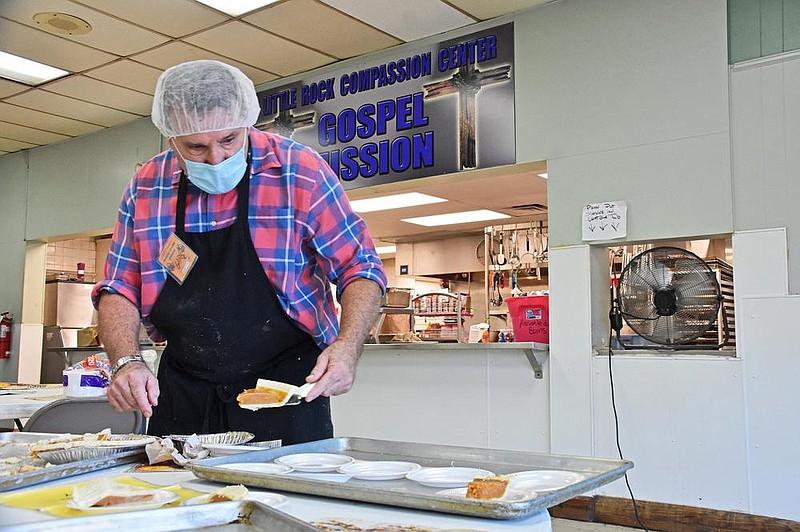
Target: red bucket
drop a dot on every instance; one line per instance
(530, 317)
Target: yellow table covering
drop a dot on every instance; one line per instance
(53, 499)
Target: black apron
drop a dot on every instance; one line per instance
(225, 329)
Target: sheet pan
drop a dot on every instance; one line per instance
(409, 494)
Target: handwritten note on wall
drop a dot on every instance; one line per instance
(604, 221)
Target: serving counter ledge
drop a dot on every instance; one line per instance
(534, 352)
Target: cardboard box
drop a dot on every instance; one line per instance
(397, 297)
(87, 337)
(396, 324)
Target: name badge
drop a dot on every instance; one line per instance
(177, 258)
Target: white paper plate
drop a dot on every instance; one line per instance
(314, 462)
(379, 470)
(511, 495)
(258, 467)
(270, 499)
(543, 480)
(447, 477)
(162, 497)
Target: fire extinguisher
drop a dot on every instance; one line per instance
(5, 335)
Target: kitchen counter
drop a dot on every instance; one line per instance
(534, 352)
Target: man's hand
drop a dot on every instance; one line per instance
(335, 370)
(134, 387)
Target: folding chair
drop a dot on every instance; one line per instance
(81, 415)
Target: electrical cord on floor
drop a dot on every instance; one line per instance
(616, 431)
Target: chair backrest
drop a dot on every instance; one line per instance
(83, 415)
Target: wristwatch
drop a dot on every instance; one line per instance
(122, 362)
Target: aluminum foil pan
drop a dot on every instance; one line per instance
(223, 438)
(115, 444)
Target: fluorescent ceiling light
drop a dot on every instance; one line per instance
(27, 71)
(543, 176)
(235, 8)
(385, 250)
(395, 201)
(481, 215)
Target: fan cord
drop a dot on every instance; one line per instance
(616, 432)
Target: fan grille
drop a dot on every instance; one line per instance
(669, 295)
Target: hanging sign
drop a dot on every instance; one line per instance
(605, 221)
(442, 108)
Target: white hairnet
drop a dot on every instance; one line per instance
(202, 96)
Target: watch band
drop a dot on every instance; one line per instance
(122, 362)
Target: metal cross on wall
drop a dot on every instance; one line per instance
(466, 83)
(285, 123)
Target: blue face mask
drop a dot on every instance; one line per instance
(217, 178)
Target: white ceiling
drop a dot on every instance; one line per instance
(113, 68)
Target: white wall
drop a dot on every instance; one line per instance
(476, 397)
(628, 100)
(765, 110)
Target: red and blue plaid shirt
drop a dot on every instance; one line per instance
(303, 229)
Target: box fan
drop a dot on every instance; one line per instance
(670, 297)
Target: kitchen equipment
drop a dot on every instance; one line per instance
(501, 258)
(668, 296)
(67, 309)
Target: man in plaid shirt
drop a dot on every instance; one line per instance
(226, 246)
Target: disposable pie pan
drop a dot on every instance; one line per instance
(236, 437)
(117, 443)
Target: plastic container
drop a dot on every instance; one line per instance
(84, 383)
(530, 318)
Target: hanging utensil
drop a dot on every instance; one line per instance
(501, 258)
(514, 260)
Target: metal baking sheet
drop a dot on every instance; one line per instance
(53, 472)
(229, 516)
(409, 494)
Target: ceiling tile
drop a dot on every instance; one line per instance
(108, 33)
(309, 22)
(8, 87)
(126, 73)
(102, 93)
(483, 10)
(408, 20)
(63, 106)
(263, 50)
(48, 122)
(174, 53)
(9, 145)
(175, 18)
(21, 40)
(27, 134)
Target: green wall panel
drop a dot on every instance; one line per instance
(791, 25)
(759, 28)
(744, 30)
